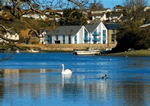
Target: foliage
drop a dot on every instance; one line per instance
(96, 5)
(130, 34)
(72, 17)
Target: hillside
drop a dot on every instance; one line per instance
(24, 25)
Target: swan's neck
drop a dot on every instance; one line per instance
(62, 68)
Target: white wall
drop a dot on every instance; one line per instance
(80, 36)
(11, 36)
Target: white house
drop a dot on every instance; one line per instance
(97, 33)
(43, 35)
(99, 17)
(68, 35)
(94, 33)
(115, 17)
(11, 35)
(98, 11)
(118, 8)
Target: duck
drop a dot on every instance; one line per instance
(65, 71)
(104, 77)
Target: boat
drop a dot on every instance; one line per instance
(88, 51)
(32, 51)
(16, 51)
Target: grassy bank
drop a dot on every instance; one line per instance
(131, 53)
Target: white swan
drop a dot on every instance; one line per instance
(67, 71)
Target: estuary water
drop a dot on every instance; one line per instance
(36, 80)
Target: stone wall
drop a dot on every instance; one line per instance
(68, 47)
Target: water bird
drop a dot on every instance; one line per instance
(104, 77)
(65, 71)
(110, 59)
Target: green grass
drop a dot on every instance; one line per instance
(131, 53)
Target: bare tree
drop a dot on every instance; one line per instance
(134, 12)
(17, 7)
(96, 4)
(131, 35)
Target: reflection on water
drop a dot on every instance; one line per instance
(36, 80)
(46, 86)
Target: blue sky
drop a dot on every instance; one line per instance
(112, 3)
(106, 3)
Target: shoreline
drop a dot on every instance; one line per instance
(130, 53)
(126, 54)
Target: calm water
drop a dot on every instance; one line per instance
(36, 80)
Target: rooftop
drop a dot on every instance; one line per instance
(65, 30)
(112, 25)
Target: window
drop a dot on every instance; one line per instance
(49, 39)
(69, 38)
(95, 32)
(95, 39)
(63, 39)
(104, 36)
(56, 37)
(112, 31)
(113, 38)
(86, 37)
(75, 39)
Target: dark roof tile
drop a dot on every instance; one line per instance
(65, 30)
(112, 26)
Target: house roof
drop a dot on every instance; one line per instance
(92, 26)
(12, 32)
(119, 7)
(112, 25)
(99, 14)
(65, 30)
(116, 14)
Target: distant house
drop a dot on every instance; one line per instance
(147, 8)
(114, 17)
(34, 39)
(111, 31)
(99, 17)
(85, 12)
(10, 35)
(35, 16)
(118, 8)
(124, 19)
(98, 11)
(38, 39)
(97, 33)
(68, 35)
(108, 10)
(43, 35)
